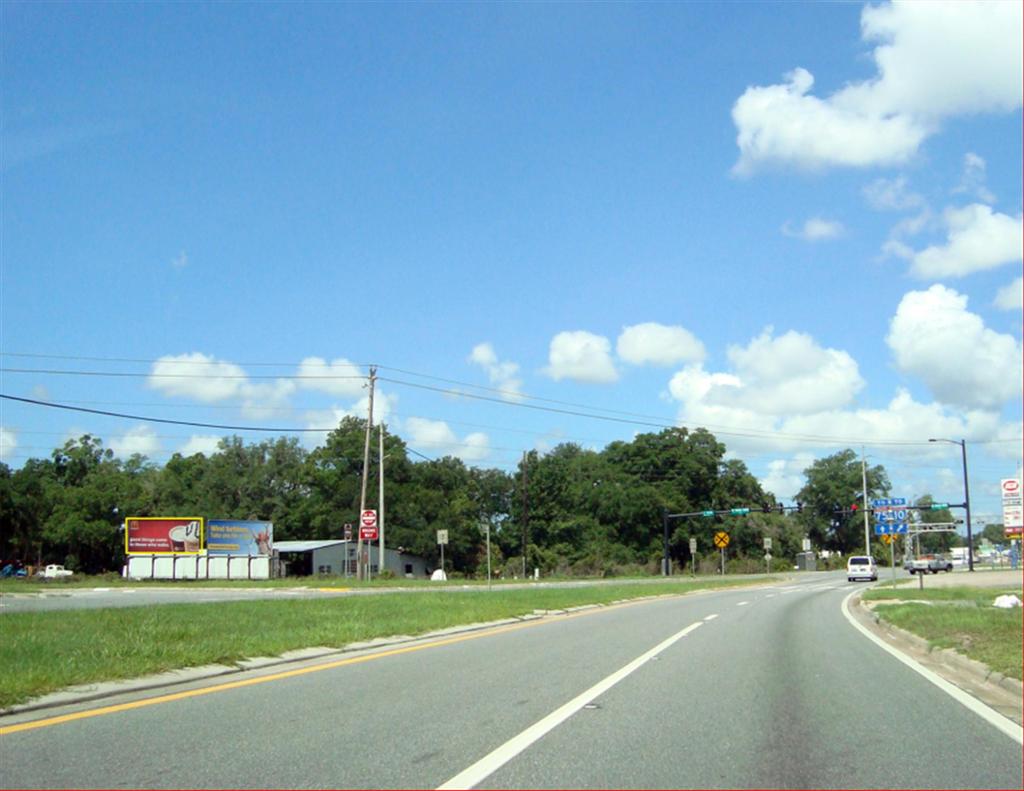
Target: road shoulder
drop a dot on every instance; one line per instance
(1002, 694)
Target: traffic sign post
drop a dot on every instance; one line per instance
(721, 541)
(693, 556)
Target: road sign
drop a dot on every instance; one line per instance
(368, 533)
(368, 518)
(693, 546)
(888, 501)
(739, 511)
(806, 544)
(1013, 512)
(442, 536)
(707, 513)
(347, 533)
(721, 539)
(767, 543)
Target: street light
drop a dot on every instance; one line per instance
(967, 498)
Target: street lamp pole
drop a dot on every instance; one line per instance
(967, 499)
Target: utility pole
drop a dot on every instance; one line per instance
(526, 510)
(360, 569)
(381, 560)
(864, 480)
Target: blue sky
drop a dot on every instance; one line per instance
(796, 224)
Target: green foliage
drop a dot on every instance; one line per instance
(573, 511)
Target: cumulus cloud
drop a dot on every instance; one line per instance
(972, 182)
(928, 69)
(892, 195)
(207, 444)
(815, 229)
(1010, 296)
(210, 380)
(8, 444)
(658, 344)
(785, 477)
(977, 239)
(582, 357)
(935, 338)
(139, 439)
(503, 375)
(774, 376)
(436, 437)
(338, 377)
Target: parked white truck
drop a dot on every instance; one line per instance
(54, 570)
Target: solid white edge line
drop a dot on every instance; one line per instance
(990, 715)
(497, 758)
(711, 617)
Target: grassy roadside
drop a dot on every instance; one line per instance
(961, 618)
(47, 651)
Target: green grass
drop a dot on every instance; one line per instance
(961, 618)
(47, 651)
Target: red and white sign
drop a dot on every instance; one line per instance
(368, 533)
(1013, 513)
(368, 518)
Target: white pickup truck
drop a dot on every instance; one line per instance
(53, 571)
(928, 564)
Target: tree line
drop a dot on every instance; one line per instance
(570, 511)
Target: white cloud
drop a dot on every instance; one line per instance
(139, 439)
(928, 69)
(972, 182)
(210, 380)
(582, 357)
(436, 437)
(198, 443)
(891, 195)
(977, 239)
(773, 377)
(8, 443)
(934, 337)
(658, 344)
(338, 377)
(1011, 297)
(503, 375)
(785, 477)
(197, 376)
(815, 230)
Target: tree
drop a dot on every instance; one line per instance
(836, 482)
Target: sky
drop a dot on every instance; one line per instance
(798, 225)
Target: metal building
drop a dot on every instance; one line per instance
(306, 558)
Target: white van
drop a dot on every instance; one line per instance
(860, 567)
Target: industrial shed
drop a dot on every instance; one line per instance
(306, 558)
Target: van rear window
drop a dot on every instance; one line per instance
(860, 561)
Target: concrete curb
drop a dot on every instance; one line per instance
(947, 662)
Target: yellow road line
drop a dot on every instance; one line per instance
(193, 693)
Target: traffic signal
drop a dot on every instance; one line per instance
(853, 508)
(781, 508)
(766, 508)
(799, 507)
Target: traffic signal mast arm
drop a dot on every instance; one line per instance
(778, 509)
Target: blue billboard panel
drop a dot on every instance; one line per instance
(239, 537)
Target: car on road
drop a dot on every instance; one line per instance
(928, 564)
(860, 567)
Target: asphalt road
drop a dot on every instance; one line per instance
(765, 687)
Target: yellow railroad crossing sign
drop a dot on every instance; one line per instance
(721, 539)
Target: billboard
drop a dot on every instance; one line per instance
(148, 535)
(239, 537)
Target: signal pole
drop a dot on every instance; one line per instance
(360, 570)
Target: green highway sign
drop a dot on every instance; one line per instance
(707, 513)
(739, 511)
(939, 506)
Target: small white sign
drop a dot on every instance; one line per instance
(442, 536)
(368, 518)
(767, 543)
(1013, 513)
(693, 546)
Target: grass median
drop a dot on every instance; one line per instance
(961, 618)
(47, 651)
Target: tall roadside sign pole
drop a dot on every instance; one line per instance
(864, 480)
(360, 571)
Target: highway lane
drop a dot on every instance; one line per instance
(767, 687)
